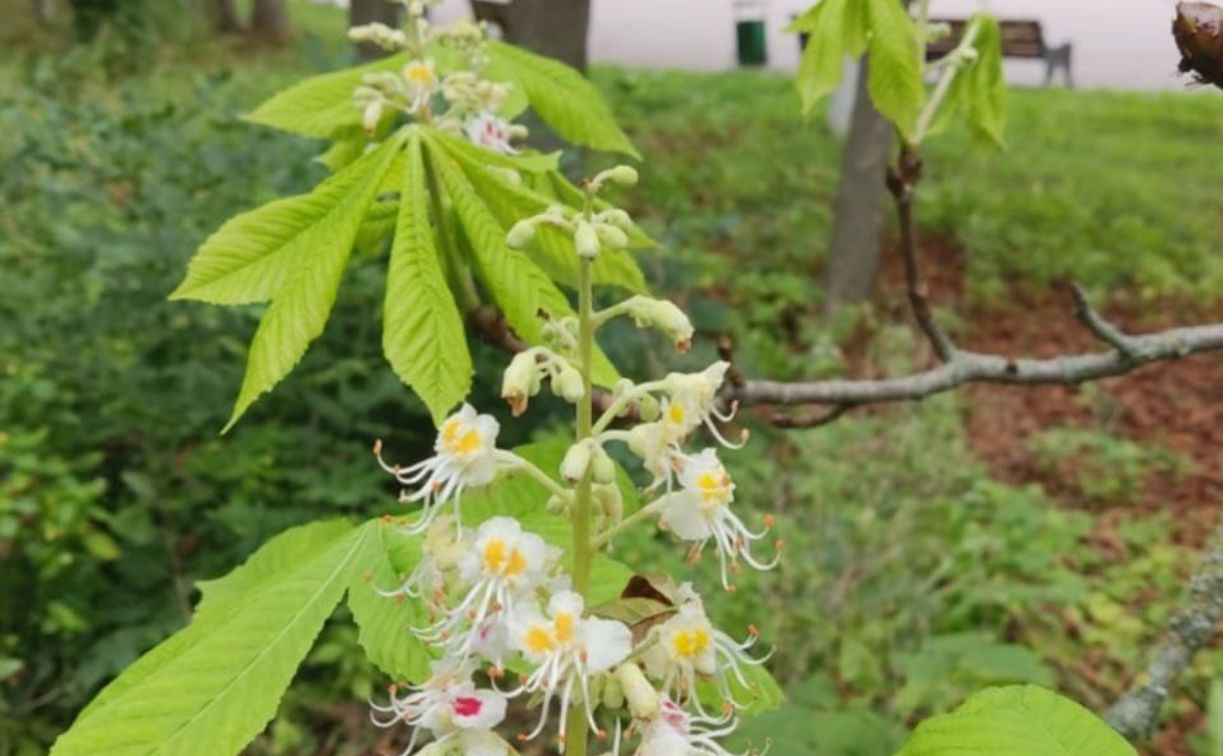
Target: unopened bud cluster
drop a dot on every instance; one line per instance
(459, 101)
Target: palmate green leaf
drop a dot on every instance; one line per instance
(1017, 720)
(823, 60)
(986, 85)
(218, 602)
(377, 227)
(253, 256)
(520, 289)
(553, 250)
(320, 105)
(422, 331)
(213, 686)
(301, 307)
(562, 97)
(384, 623)
(894, 79)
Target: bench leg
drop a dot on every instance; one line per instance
(1063, 58)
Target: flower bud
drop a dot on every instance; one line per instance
(586, 240)
(663, 315)
(624, 175)
(520, 381)
(647, 409)
(643, 700)
(371, 115)
(567, 384)
(611, 236)
(602, 468)
(556, 505)
(617, 217)
(611, 501)
(521, 234)
(613, 694)
(576, 462)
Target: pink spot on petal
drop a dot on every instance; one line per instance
(467, 706)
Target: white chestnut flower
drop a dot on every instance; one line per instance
(466, 457)
(687, 645)
(503, 563)
(693, 401)
(567, 650)
(446, 705)
(490, 132)
(700, 512)
(420, 76)
(675, 732)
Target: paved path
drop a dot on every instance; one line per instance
(1123, 44)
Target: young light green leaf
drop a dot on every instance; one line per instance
(213, 686)
(823, 62)
(1017, 720)
(377, 226)
(894, 81)
(252, 257)
(986, 85)
(520, 289)
(422, 330)
(553, 250)
(384, 623)
(301, 307)
(320, 105)
(562, 97)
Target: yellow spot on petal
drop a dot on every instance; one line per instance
(675, 414)
(538, 639)
(564, 627)
(690, 643)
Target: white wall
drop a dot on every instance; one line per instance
(1118, 43)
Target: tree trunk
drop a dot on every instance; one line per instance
(270, 20)
(362, 12)
(223, 16)
(556, 28)
(859, 212)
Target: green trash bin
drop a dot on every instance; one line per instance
(750, 33)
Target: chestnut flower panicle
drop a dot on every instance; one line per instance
(498, 595)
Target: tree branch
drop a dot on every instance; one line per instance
(972, 367)
(902, 182)
(1136, 713)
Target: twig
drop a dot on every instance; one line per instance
(1105, 331)
(790, 420)
(1191, 628)
(902, 183)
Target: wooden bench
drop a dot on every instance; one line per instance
(1020, 39)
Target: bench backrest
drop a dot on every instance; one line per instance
(1020, 38)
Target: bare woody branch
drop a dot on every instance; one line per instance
(967, 367)
(1136, 713)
